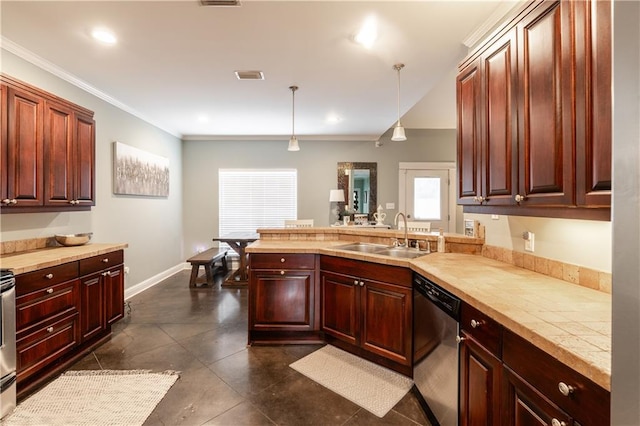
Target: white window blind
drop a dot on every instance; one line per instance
(250, 199)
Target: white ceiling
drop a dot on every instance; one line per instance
(175, 60)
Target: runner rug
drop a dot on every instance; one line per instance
(374, 388)
(102, 397)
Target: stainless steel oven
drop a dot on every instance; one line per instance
(7, 343)
(436, 315)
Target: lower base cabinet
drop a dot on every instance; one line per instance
(64, 311)
(505, 380)
(370, 312)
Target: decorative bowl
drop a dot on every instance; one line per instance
(73, 239)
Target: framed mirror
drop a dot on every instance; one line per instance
(360, 184)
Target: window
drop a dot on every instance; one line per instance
(250, 199)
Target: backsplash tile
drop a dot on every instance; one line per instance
(16, 246)
(580, 275)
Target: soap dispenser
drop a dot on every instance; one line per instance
(441, 241)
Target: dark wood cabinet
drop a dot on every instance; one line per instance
(480, 368)
(48, 149)
(282, 297)
(534, 114)
(69, 156)
(23, 175)
(368, 314)
(62, 312)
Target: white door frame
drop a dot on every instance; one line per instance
(440, 165)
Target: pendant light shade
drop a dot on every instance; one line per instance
(293, 142)
(398, 131)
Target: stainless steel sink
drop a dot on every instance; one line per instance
(363, 247)
(399, 252)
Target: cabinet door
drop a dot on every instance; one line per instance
(84, 159)
(524, 406)
(499, 142)
(92, 320)
(480, 381)
(114, 294)
(340, 306)
(3, 144)
(58, 155)
(24, 148)
(593, 103)
(468, 85)
(281, 300)
(545, 121)
(386, 320)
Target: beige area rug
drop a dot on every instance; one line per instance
(374, 388)
(102, 397)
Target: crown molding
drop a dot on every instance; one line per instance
(284, 138)
(42, 63)
(495, 18)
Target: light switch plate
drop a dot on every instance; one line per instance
(390, 206)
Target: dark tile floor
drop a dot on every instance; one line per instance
(202, 333)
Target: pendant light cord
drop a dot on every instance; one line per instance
(293, 112)
(398, 67)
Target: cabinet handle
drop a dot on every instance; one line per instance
(49, 276)
(355, 282)
(105, 260)
(556, 422)
(460, 339)
(281, 272)
(475, 324)
(361, 283)
(8, 201)
(519, 198)
(72, 202)
(565, 389)
(282, 259)
(50, 330)
(480, 199)
(49, 290)
(106, 274)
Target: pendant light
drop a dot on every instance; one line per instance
(293, 142)
(398, 131)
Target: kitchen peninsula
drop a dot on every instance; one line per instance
(559, 323)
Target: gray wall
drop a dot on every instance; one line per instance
(625, 377)
(316, 163)
(151, 226)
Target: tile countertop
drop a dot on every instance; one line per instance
(32, 260)
(569, 322)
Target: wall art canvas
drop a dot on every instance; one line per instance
(138, 172)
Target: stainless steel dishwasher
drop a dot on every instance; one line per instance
(436, 315)
(7, 343)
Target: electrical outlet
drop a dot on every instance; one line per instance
(391, 206)
(126, 269)
(495, 217)
(529, 240)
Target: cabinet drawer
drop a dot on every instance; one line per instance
(45, 278)
(100, 262)
(366, 270)
(45, 303)
(281, 261)
(587, 402)
(482, 329)
(45, 345)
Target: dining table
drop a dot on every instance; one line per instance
(238, 241)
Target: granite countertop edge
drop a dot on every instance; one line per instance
(32, 260)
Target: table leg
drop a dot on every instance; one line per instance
(239, 276)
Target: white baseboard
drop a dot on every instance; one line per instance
(150, 282)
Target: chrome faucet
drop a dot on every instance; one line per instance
(395, 221)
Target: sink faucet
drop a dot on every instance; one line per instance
(395, 221)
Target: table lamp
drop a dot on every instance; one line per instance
(335, 196)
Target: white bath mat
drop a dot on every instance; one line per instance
(374, 388)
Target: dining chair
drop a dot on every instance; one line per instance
(298, 223)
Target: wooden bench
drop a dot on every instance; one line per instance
(207, 258)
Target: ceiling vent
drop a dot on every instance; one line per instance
(220, 2)
(250, 75)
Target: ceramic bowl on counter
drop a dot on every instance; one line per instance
(73, 239)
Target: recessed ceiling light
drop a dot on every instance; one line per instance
(368, 33)
(250, 75)
(332, 118)
(104, 36)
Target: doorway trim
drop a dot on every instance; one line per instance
(440, 165)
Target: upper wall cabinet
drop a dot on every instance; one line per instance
(534, 114)
(48, 151)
